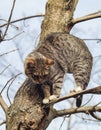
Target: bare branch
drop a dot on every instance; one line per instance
(10, 86)
(3, 104)
(62, 123)
(9, 52)
(96, 90)
(95, 116)
(87, 17)
(9, 81)
(9, 19)
(5, 69)
(93, 39)
(25, 18)
(1, 123)
(14, 36)
(86, 110)
(88, 101)
(10, 23)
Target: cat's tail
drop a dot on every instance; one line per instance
(79, 100)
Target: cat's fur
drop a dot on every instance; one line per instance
(58, 54)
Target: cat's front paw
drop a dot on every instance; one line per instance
(52, 97)
(45, 101)
(77, 89)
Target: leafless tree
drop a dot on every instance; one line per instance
(27, 111)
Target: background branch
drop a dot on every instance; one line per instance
(9, 52)
(9, 19)
(25, 18)
(9, 81)
(87, 17)
(3, 104)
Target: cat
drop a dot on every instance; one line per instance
(58, 54)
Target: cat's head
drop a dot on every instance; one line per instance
(37, 67)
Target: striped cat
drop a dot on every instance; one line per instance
(58, 54)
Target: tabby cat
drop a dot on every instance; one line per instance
(58, 54)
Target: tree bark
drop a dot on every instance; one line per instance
(58, 16)
(27, 111)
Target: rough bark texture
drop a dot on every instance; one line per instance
(27, 111)
(58, 16)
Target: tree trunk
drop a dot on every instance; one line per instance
(27, 111)
(58, 16)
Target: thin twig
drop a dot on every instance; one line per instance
(5, 69)
(10, 23)
(25, 18)
(14, 36)
(87, 101)
(62, 123)
(93, 39)
(86, 119)
(9, 19)
(10, 86)
(9, 52)
(8, 91)
(8, 82)
(3, 104)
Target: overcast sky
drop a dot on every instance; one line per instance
(28, 39)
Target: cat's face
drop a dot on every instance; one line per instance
(38, 69)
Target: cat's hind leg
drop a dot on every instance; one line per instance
(81, 72)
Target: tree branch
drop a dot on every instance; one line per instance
(95, 116)
(5, 69)
(9, 19)
(87, 17)
(1, 123)
(96, 90)
(3, 104)
(87, 110)
(25, 18)
(9, 52)
(9, 81)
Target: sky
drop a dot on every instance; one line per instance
(29, 31)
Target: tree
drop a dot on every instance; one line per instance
(27, 111)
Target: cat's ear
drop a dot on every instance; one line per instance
(49, 61)
(29, 60)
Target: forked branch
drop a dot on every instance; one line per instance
(87, 110)
(83, 109)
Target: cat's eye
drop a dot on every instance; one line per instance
(35, 76)
(31, 65)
